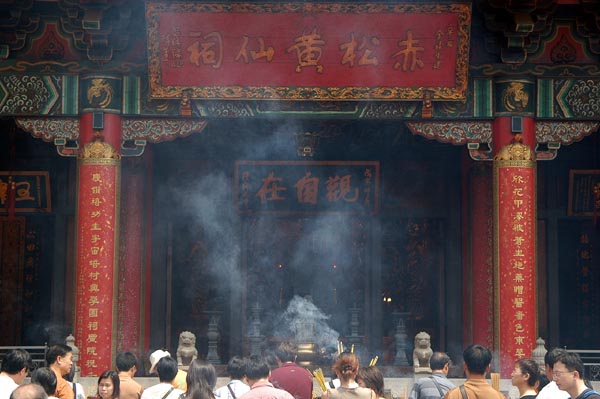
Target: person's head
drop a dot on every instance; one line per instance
(439, 361)
(568, 371)
(346, 366)
(167, 369)
(236, 368)
(550, 358)
(526, 374)
(271, 359)
(155, 358)
(108, 385)
(477, 359)
(202, 371)
(126, 361)
(61, 357)
(46, 378)
(257, 368)
(201, 380)
(371, 377)
(29, 391)
(286, 352)
(16, 363)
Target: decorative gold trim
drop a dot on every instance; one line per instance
(516, 163)
(100, 93)
(515, 152)
(496, 222)
(117, 251)
(236, 92)
(99, 152)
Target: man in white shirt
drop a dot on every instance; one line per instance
(551, 391)
(167, 370)
(236, 386)
(15, 365)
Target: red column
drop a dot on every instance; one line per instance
(99, 167)
(514, 241)
(480, 272)
(131, 304)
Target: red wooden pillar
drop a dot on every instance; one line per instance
(514, 239)
(479, 281)
(131, 258)
(99, 170)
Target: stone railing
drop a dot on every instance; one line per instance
(38, 353)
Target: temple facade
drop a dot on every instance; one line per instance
(341, 172)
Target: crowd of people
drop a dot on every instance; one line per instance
(255, 377)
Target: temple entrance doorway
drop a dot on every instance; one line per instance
(306, 276)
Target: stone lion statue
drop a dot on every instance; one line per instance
(186, 351)
(422, 351)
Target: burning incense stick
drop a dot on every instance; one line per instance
(373, 361)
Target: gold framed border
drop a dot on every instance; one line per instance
(45, 175)
(496, 271)
(572, 173)
(455, 93)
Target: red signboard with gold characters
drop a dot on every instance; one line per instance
(95, 322)
(308, 51)
(515, 261)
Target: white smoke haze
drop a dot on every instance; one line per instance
(307, 323)
(208, 205)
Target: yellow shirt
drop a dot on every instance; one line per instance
(179, 381)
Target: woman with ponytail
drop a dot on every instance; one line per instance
(346, 369)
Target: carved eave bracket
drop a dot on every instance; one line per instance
(477, 135)
(64, 132)
(551, 135)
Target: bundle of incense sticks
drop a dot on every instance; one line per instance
(495, 381)
(340, 347)
(373, 361)
(318, 373)
(352, 349)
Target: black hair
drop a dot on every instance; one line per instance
(286, 352)
(257, 368)
(478, 358)
(530, 367)
(114, 378)
(236, 367)
(551, 355)
(438, 360)
(125, 361)
(167, 369)
(572, 362)
(55, 351)
(16, 360)
(373, 379)
(46, 378)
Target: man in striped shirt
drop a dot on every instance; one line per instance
(436, 385)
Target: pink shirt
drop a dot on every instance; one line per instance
(265, 390)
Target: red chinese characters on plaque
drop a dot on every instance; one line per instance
(516, 268)
(95, 320)
(308, 51)
(281, 187)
